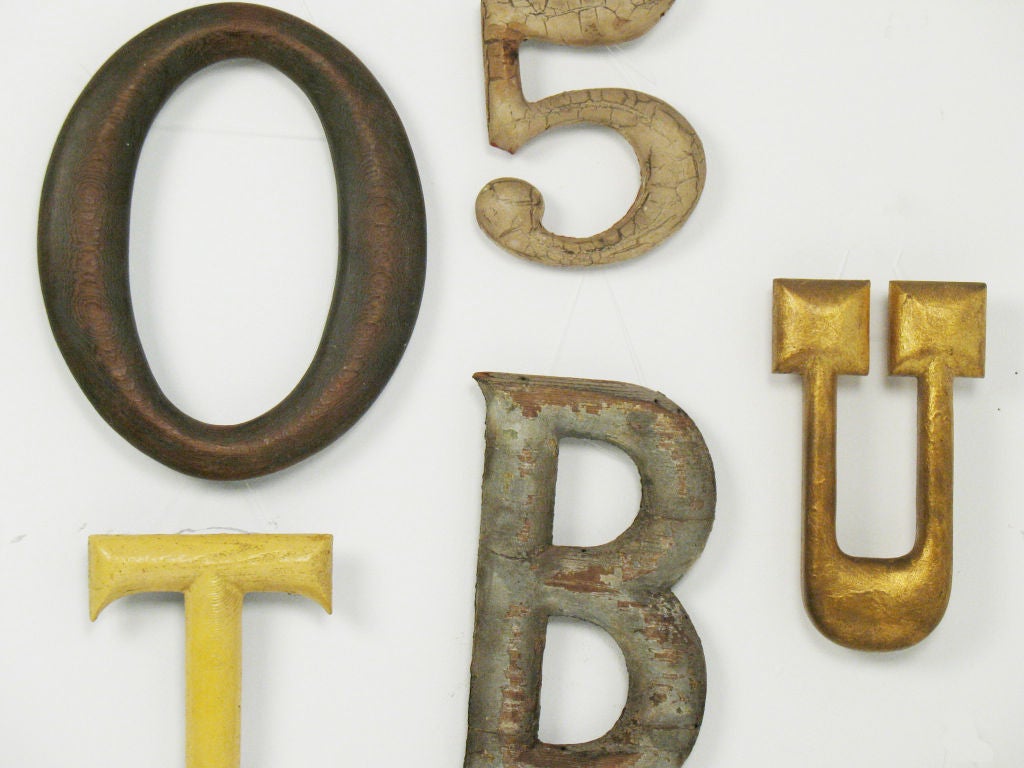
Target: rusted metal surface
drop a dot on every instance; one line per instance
(668, 151)
(622, 586)
(83, 240)
(936, 332)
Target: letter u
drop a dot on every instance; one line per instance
(936, 332)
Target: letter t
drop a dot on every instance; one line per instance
(214, 573)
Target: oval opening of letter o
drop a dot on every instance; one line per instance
(83, 240)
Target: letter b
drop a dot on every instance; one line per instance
(624, 586)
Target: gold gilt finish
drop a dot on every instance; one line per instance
(936, 332)
(214, 573)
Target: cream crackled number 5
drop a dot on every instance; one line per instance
(669, 152)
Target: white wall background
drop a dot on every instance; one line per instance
(876, 140)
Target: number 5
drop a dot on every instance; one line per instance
(670, 154)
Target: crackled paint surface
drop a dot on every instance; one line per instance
(936, 332)
(670, 155)
(214, 573)
(624, 586)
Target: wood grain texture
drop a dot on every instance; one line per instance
(83, 240)
(668, 150)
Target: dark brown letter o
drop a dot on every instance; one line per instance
(83, 240)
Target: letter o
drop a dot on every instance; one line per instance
(83, 240)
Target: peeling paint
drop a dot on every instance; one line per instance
(624, 586)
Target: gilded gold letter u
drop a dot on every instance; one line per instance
(936, 332)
